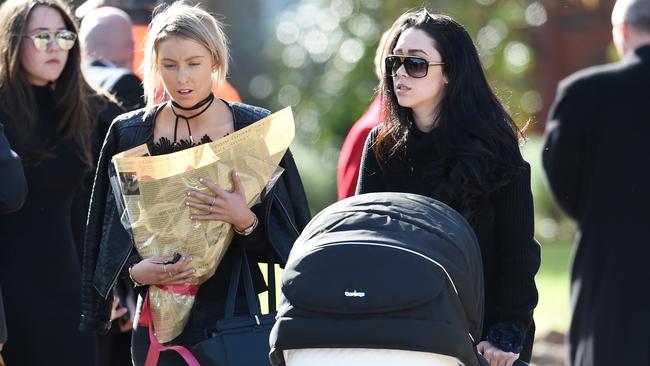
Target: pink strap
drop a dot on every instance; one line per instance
(153, 354)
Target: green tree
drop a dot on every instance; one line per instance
(322, 55)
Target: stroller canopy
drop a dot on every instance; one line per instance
(369, 271)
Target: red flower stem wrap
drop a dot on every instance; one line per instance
(153, 354)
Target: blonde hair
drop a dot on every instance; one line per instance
(186, 21)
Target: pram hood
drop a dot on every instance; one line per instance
(376, 253)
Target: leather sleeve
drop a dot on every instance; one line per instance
(286, 210)
(95, 310)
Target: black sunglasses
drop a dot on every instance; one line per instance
(415, 67)
(64, 38)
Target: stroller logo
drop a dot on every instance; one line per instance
(354, 293)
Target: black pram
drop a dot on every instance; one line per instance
(383, 271)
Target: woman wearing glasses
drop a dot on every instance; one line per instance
(48, 112)
(445, 135)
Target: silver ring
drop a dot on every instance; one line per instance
(214, 199)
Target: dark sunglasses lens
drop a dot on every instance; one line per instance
(416, 67)
(392, 64)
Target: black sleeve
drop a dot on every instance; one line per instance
(567, 151)
(370, 171)
(13, 186)
(283, 214)
(129, 92)
(106, 111)
(255, 242)
(92, 238)
(518, 251)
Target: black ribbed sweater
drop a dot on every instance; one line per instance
(503, 224)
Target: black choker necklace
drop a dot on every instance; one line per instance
(205, 104)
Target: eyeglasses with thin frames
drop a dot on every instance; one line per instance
(64, 38)
(416, 67)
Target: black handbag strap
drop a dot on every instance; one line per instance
(242, 266)
(270, 275)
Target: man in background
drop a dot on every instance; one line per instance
(596, 162)
(108, 60)
(140, 12)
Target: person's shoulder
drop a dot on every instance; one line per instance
(134, 118)
(592, 77)
(375, 131)
(126, 76)
(246, 114)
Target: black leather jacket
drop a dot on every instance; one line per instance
(108, 248)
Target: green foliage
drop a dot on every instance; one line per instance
(553, 311)
(322, 58)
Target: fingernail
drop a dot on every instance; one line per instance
(190, 258)
(189, 193)
(201, 180)
(193, 270)
(187, 203)
(191, 217)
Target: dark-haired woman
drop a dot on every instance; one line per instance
(445, 135)
(48, 112)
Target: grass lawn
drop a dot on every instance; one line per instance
(553, 311)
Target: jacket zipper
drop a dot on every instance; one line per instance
(287, 215)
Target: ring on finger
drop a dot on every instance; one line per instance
(165, 267)
(214, 200)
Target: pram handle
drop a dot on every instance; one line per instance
(484, 362)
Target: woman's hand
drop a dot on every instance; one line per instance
(495, 356)
(223, 206)
(116, 314)
(155, 271)
(116, 310)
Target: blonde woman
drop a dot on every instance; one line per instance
(185, 50)
(51, 118)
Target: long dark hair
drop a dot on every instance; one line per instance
(71, 93)
(477, 138)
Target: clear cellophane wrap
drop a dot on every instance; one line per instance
(151, 192)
